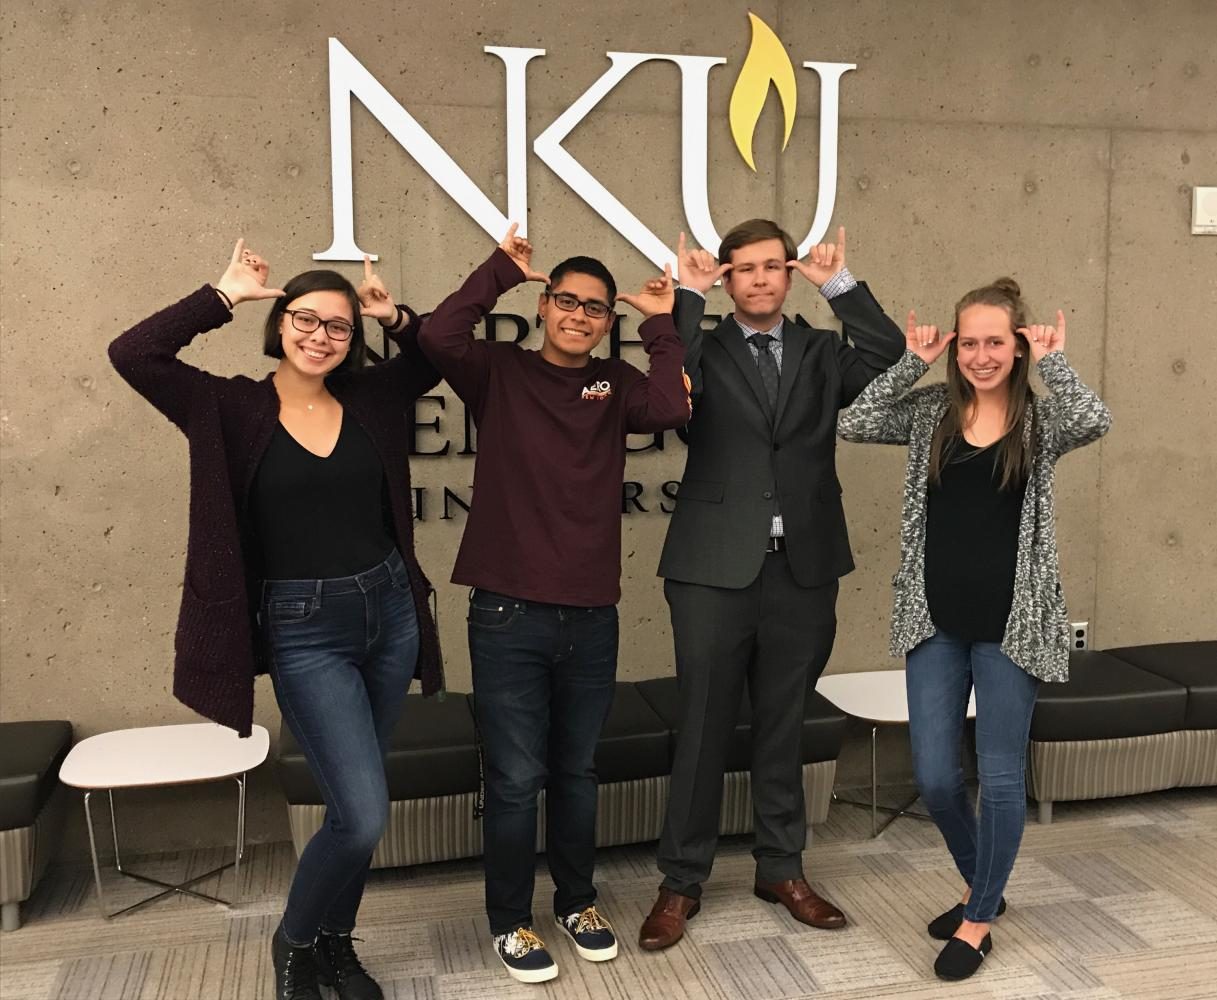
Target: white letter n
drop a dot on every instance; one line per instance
(349, 78)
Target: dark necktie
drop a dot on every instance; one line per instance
(768, 365)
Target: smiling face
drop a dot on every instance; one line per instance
(315, 354)
(758, 281)
(987, 346)
(571, 336)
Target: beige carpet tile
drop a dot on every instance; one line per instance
(24, 979)
(850, 959)
(1035, 881)
(760, 969)
(1174, 974)
(1161, 920)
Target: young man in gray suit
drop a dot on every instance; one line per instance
(755, 548)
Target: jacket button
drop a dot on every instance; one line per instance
(767, 495)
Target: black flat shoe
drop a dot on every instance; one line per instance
(958, 960)
(944, 926)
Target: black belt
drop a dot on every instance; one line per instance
(776, 543)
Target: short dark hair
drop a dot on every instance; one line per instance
(317, 281)
(589, 266)
(755, 231)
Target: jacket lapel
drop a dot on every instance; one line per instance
(795, 339)
(732, 338)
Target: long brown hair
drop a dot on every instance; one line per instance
(1014, 454)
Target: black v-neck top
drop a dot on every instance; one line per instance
(971, 544)
(317, 517)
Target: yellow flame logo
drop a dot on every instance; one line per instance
(766, 63)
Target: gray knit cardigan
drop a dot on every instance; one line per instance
(890, 411)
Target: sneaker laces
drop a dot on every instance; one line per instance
(520, 942)
(340, 950)
(590, 920)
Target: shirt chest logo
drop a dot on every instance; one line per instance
(602, 389)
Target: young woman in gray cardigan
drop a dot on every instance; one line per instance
(978, 597)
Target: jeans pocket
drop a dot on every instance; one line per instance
(492, 615)
(290, 610)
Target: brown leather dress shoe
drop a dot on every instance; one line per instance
(665, 924)
(802, 902)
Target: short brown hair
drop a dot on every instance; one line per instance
(756, 231)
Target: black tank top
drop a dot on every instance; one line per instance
(321, 517)
(971, 544)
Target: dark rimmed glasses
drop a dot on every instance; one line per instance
(592, 308)
(307, 322)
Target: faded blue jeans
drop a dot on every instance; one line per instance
(343, 654)
(940, 675)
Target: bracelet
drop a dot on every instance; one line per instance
(397, 317)
(227, 300)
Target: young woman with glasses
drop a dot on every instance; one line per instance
(978, 597)
(300, 562)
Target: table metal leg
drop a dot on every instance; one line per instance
(894, 812)
(240, 835)
(168, 888)
(101, 896)
(874, 782)
(118, 861)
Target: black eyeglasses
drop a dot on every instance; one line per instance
(592, 308)
(307, 322)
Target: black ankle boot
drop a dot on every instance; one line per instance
(295, 973)
(338, 966)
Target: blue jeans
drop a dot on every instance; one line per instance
(343, 654)
(543, 678)
(940, 675)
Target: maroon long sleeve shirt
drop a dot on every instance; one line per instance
(545, 522)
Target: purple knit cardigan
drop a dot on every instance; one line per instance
(228, 424)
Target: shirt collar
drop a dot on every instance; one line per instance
(748, 331)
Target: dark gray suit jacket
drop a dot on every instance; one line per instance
(741, 455)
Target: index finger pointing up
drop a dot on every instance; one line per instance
(680, 246)
(511, 232)
(237, 250)
(1060, 322)
(910, 326)
(841, 239)
(367, 268)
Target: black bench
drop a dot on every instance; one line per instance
(1120, 727)
(32, 807)
(432, 767)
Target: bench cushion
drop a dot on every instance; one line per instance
(431, 753)
(30, 755)
(1192, 664)
(1107, 698)
(635, 742)
(823, 724)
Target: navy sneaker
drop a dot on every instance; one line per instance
(524, 956)
(592, 934)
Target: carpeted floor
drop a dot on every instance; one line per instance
(1114, 899)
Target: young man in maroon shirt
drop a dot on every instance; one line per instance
(542, 550)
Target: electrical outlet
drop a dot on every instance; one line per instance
(1079, 635)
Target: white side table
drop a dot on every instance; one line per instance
(161, 756)
(880, 698)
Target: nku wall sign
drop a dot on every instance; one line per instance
(766, 64)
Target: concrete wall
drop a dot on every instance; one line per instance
(977, 139)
